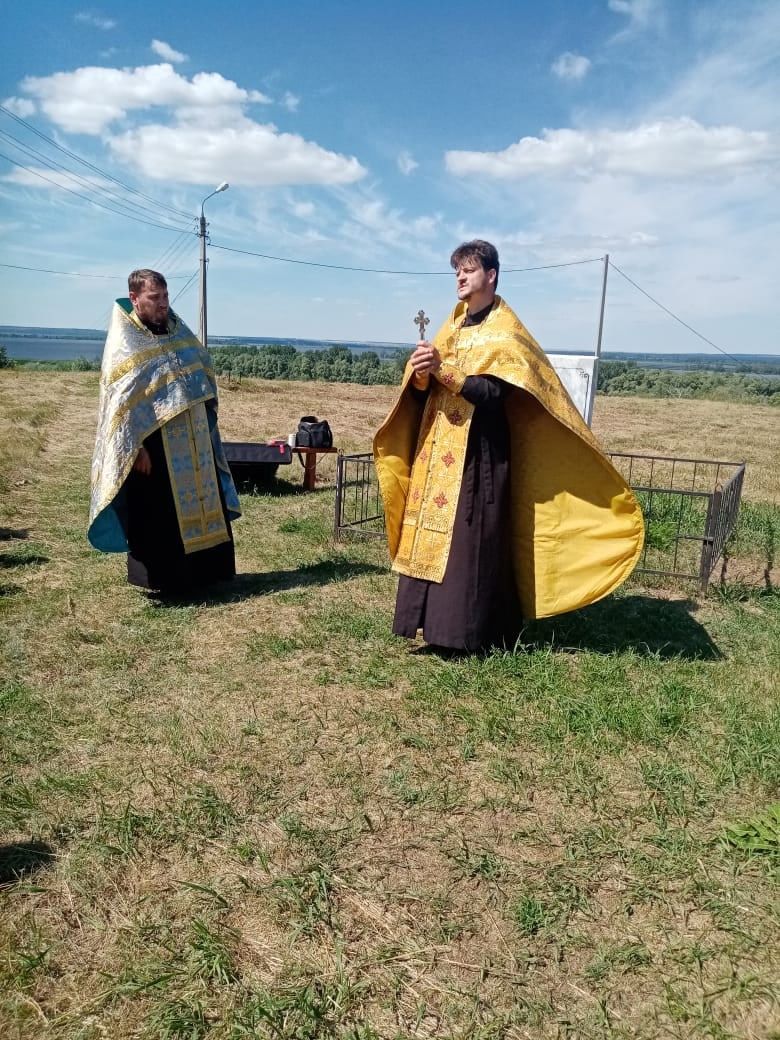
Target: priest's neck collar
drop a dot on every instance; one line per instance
(479, 316)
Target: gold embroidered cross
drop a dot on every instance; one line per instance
(421, 321)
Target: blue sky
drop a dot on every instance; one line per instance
(381, 135)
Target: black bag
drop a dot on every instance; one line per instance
(313, 434)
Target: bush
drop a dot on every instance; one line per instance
(82, 364)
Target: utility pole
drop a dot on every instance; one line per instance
(592, 396)
(203, 325)
(204, 334)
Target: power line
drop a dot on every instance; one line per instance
(547, 267)
(52, 164)
(376, 270)
(182, 252)
(166, 257)
(672, 314)
(91, 166)
(184, 288)
(85, 198)
(76, 274)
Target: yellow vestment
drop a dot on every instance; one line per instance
(576, 528)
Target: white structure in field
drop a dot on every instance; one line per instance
(578, 373)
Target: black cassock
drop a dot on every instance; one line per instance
(156, 557)
(476, 604)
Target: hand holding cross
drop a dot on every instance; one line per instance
(425, 358)
(421, 321)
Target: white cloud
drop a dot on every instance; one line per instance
(571, 66)
(671, 148)
(244, 152)
(90, 98)
(167, 53)
(372, 222)
(210, 138)
(97, 21)
(20, 106)
(406, 164)
(302, 209)
(735, 80)
(641, 16)
(638, 11)
(290, 101)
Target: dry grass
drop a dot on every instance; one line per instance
(701, 429)
(259, 815)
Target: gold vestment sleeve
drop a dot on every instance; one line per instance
(450, 376)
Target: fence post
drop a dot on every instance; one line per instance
(339, 496)
(710, 530)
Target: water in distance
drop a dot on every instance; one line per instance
(28, 342)
(43, 344)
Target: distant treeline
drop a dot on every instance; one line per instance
(332, 365)
(628, 379)
(753, 364)
(620, 378)
(341, 365)
(275, 361)
(80, 364)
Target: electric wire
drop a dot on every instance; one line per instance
(184, 288)
(75, 274)
(178, 247)
(91, 166)
(672, 314)
(169, 252)
(85, 198)
(80, 181)
(182, 252)
(377, 270)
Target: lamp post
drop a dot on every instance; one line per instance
(202, 233)
(595, 376)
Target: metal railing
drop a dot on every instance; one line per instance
(359, 507)
(690, 507)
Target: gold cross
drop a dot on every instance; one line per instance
(421, 321)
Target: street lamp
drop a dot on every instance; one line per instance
(202, 233)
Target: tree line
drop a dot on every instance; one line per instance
(340, 365)
(618, 378)
(331, 365)
(629, 379)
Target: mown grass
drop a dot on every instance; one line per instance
(258, 814)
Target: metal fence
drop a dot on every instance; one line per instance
(690, 508)
(359, 508)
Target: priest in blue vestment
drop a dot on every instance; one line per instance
(162, 491)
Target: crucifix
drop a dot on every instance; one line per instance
(421, 321)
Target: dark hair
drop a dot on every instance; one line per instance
(483, 252)
(138, 279)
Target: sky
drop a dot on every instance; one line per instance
(375, 135)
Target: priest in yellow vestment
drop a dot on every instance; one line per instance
(499, 503)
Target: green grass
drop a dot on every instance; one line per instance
(258, 814)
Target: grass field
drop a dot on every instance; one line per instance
(261, 815)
